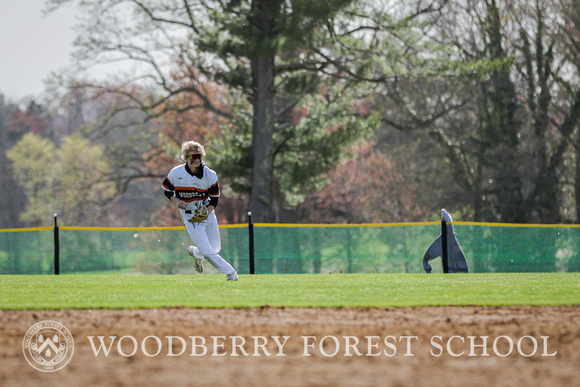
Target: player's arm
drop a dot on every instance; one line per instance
(169, 191)
(179, 203)
(214, 196)
(213, 202)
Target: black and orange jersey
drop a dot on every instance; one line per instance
(194, 189)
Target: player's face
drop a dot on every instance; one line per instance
(194, 159)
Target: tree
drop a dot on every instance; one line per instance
(32, 161)
(569, 28)
(128, 146)
(370, 188)
(33, 119)
(281, 60)
(11, 202)
(68, 181)
(552, 98)
(82, 185)
(503, 119)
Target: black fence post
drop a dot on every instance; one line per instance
(56, 247)
(444, 248)
(251, 236)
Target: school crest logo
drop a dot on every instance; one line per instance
(48, 346)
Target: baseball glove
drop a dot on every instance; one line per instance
(200, 215)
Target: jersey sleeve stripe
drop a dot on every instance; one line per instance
(167, 185)
(214, 190)
(190, 189)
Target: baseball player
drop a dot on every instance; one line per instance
(194, 189)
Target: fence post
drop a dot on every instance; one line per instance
(251, 236)
(56, 247)
(444, 247)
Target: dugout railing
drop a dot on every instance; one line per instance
(289, 248)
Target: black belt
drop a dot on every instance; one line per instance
(188, 212)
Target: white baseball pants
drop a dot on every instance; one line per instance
(207, 242)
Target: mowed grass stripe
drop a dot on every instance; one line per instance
(20, 292)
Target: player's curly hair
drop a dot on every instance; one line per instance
(191, 146)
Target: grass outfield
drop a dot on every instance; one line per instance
(299, 290)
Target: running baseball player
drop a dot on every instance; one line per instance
(194, 189)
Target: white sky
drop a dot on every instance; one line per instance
(32, 46)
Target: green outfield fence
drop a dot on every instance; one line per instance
(290, 248)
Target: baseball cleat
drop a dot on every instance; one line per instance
(197, 262)
(232, 277)
(198, 265)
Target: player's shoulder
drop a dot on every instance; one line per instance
(177, 169)
(207, 171)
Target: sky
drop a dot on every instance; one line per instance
(32, 46)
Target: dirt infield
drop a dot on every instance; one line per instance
(431, 346)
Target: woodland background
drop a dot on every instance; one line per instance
(334, 111)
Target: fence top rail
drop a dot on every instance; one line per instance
(26, 229)
(517, 224)
(417, 224)
(295, 225)
(344, 225)
(142, 228)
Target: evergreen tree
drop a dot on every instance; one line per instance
(295, 70)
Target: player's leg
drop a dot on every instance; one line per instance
(197, 258)
(199, 237)
(193, 251)
(213, 233)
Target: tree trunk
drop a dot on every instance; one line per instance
(501, 128)
(262, 203)
(261, 195)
